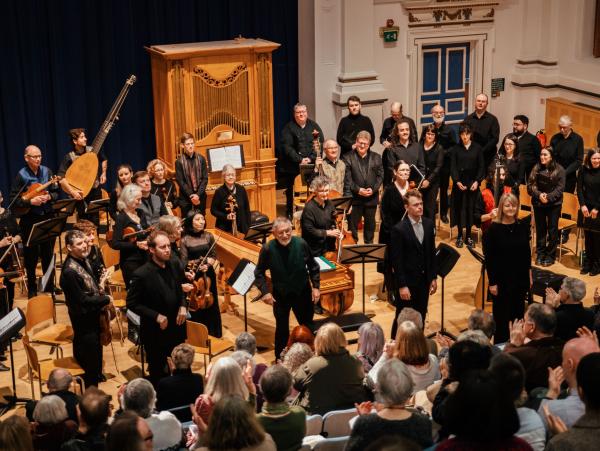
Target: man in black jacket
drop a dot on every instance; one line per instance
(568, 151)
(390, 122)
(528, 145)
(85, 302)
(364, 176)
(412, 253)
(192, 177)
(156, 295)
(182, 387)
(296, 149)
(486, 129)
(350, 125)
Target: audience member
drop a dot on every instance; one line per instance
(394, 388)
(571, 407)
(129, 432)
(233, 425)
(93, 412)
(297, 355)
(182, 387)
(543, 350)
(333, 379)
(511, 375)
(247, 342)
(14, 434)
(410, 314)
(244, 358)
(286, 424)
(585, 433)
(568, 305)
(370, 344)
(140, 397)
(52, 426)
(483, 321)
(59, 382)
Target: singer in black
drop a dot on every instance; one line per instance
(588, 192)
(160, 185)
(230, 190)
(403, 148)
(85, 302)
(156, 295)
(528, 145)
(124, 175)
(350, 125)
(434, 159)
(293, 271)
(510, 157)
(192, 177)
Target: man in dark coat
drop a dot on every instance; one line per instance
(192, 177)
(486, 129)
(528, 146)
(350, 125)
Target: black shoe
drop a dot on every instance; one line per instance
(459, 242)
(101, 378)
(548, 262)
(595, 269)
(3, 358)
(586, 268)
(444, 219)
(318, 309)
(469, 242)
(565, 237)
(538, 260)
(58, 291)
(3, 367)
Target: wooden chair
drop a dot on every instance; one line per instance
(570, 208)
(335, 423)
(110, 256)
(42, 368)
(524, 201)
(120, 303)
(40, 309)
(203, 343)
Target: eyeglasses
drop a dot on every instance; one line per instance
(34, 157)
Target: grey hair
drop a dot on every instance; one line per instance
(575, 288)
(319, 182)
(226, 168)
(128, 194)
(226, 380)
(50, 410)
(140, 397)
(246, 342)
(242, 358)
(543, 316)
(565, 120)
(296, 355)
(371, 340)
(363, 134)
(183, 356)
(59, 379)
(394, 383)
(300, 105)
(476, 336)
(410, 314)
(169, 224)
(279, 221)
(483, 321)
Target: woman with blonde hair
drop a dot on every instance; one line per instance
(332, 379)
(160, 185)
(508, 265)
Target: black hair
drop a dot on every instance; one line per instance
(522, 118)
(429, 128)
(465, 356)
(510, 372)
(543, 317)
(464, 127)
(588, 374)
(514, 139)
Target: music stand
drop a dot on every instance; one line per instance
(10, 325)
(481, 259)
(446, 257)
(307, 173)
(134, 324)
(363, 253)
(47, 230)
(342, 203)
(241, 281)
(65, 206)
(259, 232)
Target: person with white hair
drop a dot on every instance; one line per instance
(568, 305)
(52, 426)
(230, 204)
(568, 151)
(58, 383)
(183, 386)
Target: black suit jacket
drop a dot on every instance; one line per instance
(413, 262)
(180, 389)
(356, 178)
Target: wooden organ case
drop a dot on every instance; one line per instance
(222, 93)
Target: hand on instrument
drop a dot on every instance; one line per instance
(425, 184)
(433, 287)
(189, 275)
(143, 245)
(102, 178)
(585, 212)
(517, 335)
(556, 377)
(318, 162)
(305, 160)
(494, 290)
(405, 294)
(316, 295)
(268, 299)
(195, 199)
(474, 186)
(461, 186)
(187, 287)
(231, 216)
(334, 232)
(39, 200)
(181, 316)
(6, 241)
(169, 204)
(203, 267)
(76, 194)
(162, 321)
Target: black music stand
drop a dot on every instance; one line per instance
(95, 207)
(134, 335)
(342, 203)
(65, 206)
(259, 232)
(241, 280)
(363, 253)
(47, 230)
(481, 259)
(10, 326)
(446, 257)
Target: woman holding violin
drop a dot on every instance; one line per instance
(124, 174)
(198, 251)
(162, 186)
(230, 205)
(129, 236)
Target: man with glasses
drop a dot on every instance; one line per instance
(447, 140)
(296, 149)
(39, 208)
(332, 166)
(528, 145)
(364, 176)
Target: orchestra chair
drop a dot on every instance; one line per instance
(300, 198)
(120, 304)
(314, 424)
(335, 423)
(205, 344)
(41, 369)
(332, 444)
(40, 309)
(570, 208)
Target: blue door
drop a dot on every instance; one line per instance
(445, 81)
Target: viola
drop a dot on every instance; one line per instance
(108, 312)
(200, 297)
(34, 190)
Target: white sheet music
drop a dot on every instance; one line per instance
(13, 318)
(324, 264)
(220, 156)
(133, 317)
(245, 279)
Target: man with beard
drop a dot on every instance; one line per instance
(352, 124)
(528, 146)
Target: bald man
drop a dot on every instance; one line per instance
(569, 409)
(486, 129)
(333, 167)
(39, 209)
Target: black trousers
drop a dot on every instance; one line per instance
(546, 230)
(368, 213)
(158, 346)
(444, 184)
(303, 311)
(419, 298)
(463, 205)
(592, 246)
(429, 200)
(87, 350)
(286, 181)
(507, 306)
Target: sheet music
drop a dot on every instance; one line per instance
(220, 156)
(12, 319)
(133, 317)
(48, 273)
(324, 264)
(245, 279)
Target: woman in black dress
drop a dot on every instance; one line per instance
(434, 159)
(515, 169)
(402, 149)
(161, 186)
(132, 250)
(195, 244)
(588, 192)
(219, 206)
(546, 186)
(508, 264)
(124, 174)
(467, 169)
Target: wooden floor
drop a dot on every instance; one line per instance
(460, 286)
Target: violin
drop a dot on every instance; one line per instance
(108, 312)
(3, 274)
(34, 190)
(131, 234)
(201, 297)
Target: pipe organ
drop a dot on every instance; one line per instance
(222, 93)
